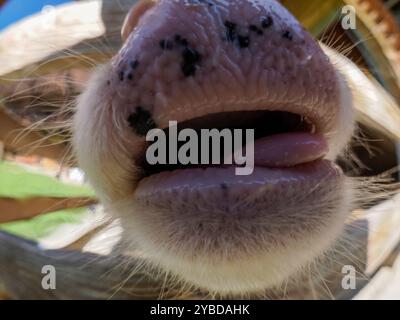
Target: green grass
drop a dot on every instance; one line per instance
(43, 225)
(18, 183)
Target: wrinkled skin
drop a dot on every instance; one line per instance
(210, 228)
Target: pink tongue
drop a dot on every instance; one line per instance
(289, 149)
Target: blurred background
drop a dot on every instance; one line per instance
(48, 49)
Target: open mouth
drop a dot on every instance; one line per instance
(288, 154)
(282, 139)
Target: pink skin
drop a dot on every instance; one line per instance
(289, 149)
(185, 219)
(220, 190)
(272, 73)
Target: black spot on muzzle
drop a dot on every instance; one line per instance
(141, 121)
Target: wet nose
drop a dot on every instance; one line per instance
(188, 58)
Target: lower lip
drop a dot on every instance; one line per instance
(222, 187)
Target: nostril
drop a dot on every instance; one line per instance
(134, 15)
